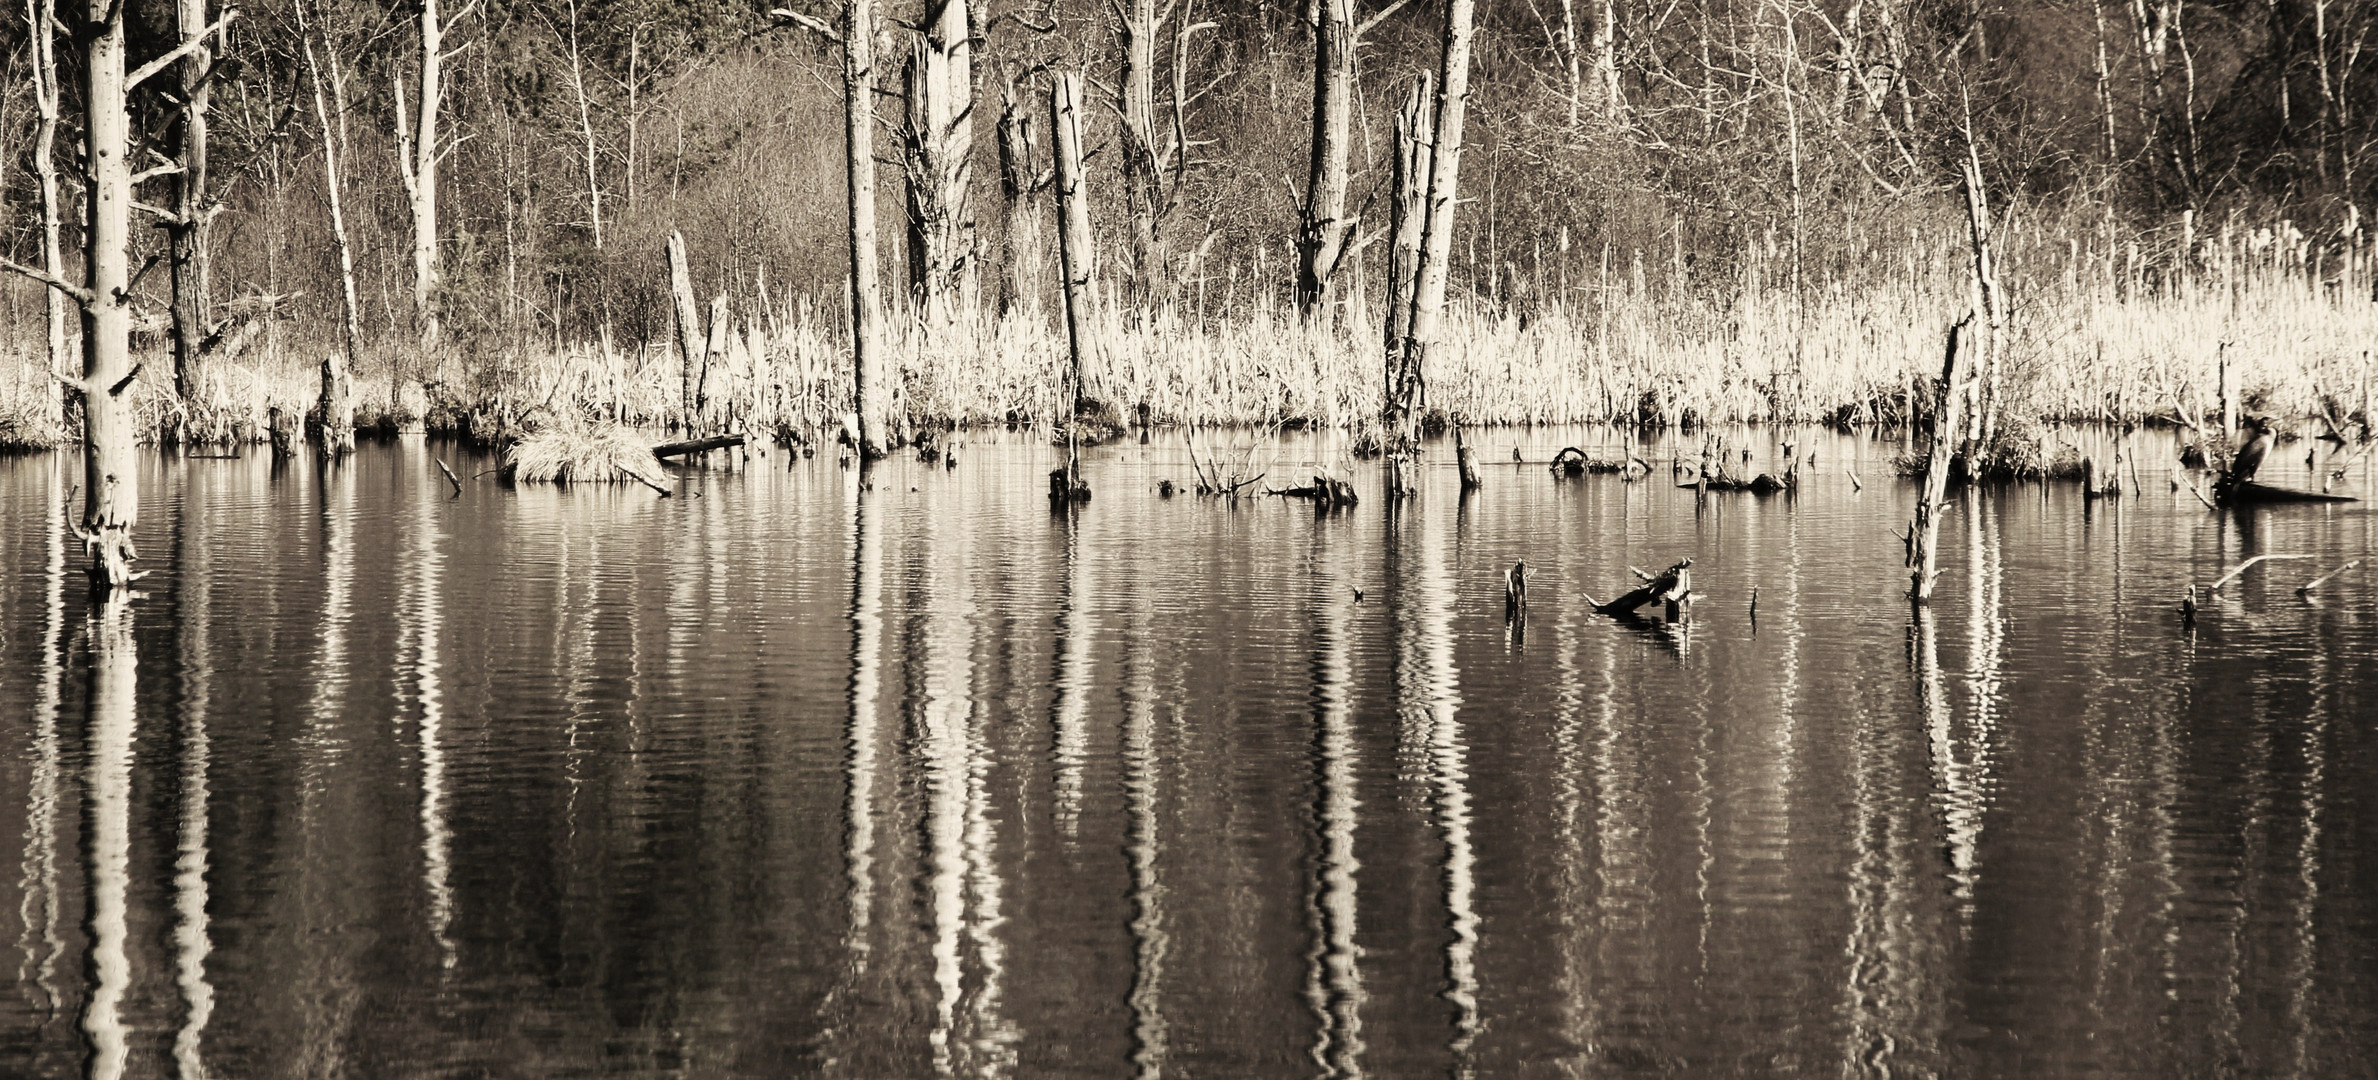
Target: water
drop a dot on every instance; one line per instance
(787, 777)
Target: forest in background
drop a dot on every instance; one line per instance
(1683, 200)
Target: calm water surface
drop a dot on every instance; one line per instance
(792, 775)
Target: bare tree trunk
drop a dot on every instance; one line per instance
(1991, 302)
(417, 161)
(1073, 228)
(1020, 182)
(333, 181)
(2105, 85)
(187, 230)
(939, 140)
(713, 353)
(111, 470)
(1923, 537)
(594, 184)
(334, 411)
(41, 17)
(1143, 168)
(1407, 216)
(858, 91)
(1436, 250)
(1605, 46)
(1322, 240)
(689, 325)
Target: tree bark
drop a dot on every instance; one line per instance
(1143, 171)
(1073, 228)
(1020, 182)
(41, 16)
(1989, 300)
(1321, 242)
(1408, 215)
(1436, 247)
(858, 90)
(333, 181)
(334, 411)
(939, 142)
(417, 160)
(188, 229)
(689, 326)
(1923, 536)
(111, 477)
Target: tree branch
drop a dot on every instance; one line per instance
(1375, 20)
(813, 25)
(196, 42)
(81, 295)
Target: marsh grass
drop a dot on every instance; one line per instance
(2105, 327)
(585, 454)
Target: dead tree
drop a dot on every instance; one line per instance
(327, 91)
(186, 230)
(856, 35)
(334, 411)
(938, 142)
(1153, 163)
(1073, 245)
(41, 17)
(1988, 299)
(689, 325)
(1407, 215)
(419, 154)
(1436, 247)
(1948, 412)
(111, 477)
(1021, 180)
(1321, 239)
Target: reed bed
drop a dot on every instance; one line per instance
(585, 454)
(2103, 328)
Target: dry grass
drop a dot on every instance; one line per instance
(2106, 326)
(585, 454)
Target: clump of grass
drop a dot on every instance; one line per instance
(600, 453)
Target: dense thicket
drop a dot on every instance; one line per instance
(578, 133)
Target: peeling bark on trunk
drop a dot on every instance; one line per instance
(858, 90)
(939, 144)
(1321, 242)
(1992, 304)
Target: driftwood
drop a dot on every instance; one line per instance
(1673, 587)
(695, 446)
(2307, 587)
(1326, 491)
(1572, 462)
(1468, 460)
(2245, 566)
(449, 477)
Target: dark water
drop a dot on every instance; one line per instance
(786, 777)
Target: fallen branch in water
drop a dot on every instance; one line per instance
(2323, 579)
(2248, 565)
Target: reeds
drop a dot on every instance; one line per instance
(2105, 327)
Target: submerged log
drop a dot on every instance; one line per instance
(2248, 492)
(1572, 462)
